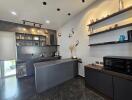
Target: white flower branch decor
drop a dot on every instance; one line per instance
(73, 49)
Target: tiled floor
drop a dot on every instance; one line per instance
(24, 89)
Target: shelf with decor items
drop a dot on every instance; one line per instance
(112, 15)
(111, 42)
(23, 39)
(111, 29)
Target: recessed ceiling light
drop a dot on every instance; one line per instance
(44, 3)
(69, 14)
(83, 1)
(33, 30)
(24, 29)
(13, 13)
(58, 9)
(47, 21)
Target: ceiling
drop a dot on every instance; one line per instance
(34, 10)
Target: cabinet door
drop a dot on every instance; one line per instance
(75, 65)
(21, 70)
(100, 81)
(123, 89)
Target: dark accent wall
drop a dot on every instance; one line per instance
(15, 27)
(31, 52)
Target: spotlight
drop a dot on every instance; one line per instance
(44, 3)
(58, 9)
(83, 1)
(13, 13)
(47, 22)
(69, 14)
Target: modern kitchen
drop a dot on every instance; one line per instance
(66, 50)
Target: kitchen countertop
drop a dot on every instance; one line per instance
(39, 59)
(54, 62)
(52, 73)
(113, 73)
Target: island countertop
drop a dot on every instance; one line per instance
(38, 59)
(54, 62)
(51, 73)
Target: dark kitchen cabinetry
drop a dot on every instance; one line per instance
(114, 85)
(122, 89)
(21, 70)
(99, 81)
(30, 40)
(75, 64)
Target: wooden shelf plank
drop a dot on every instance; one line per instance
(106, 43)
(112, 29)
(112, 15)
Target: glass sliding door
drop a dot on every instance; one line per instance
(9, 68)
(1, 69)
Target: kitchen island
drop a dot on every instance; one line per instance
(25, 66)
(52, 73)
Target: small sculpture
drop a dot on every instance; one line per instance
(90, 30)
(122, 38)
(97, 19)
(91, 21)
(110, 27)
(121, 5)
(116, 25)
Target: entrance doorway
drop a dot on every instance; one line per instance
(8, 68)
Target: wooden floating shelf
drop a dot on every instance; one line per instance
(106, 43)
(112, 29)
(112, 15)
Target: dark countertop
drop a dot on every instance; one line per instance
(39, 59)
(53, 62)
(101, 69)
(52, 73)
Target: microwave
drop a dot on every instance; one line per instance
(120, 64)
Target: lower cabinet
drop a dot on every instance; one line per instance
(99, 81)
(75, 64)
(21, 70)
(112, 86)
(122, 89)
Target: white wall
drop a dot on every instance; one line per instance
(79, 23)
(7, 46)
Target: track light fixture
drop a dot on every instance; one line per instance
(34, 23)
(58, 9)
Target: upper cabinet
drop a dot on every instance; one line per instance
(30, 40)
